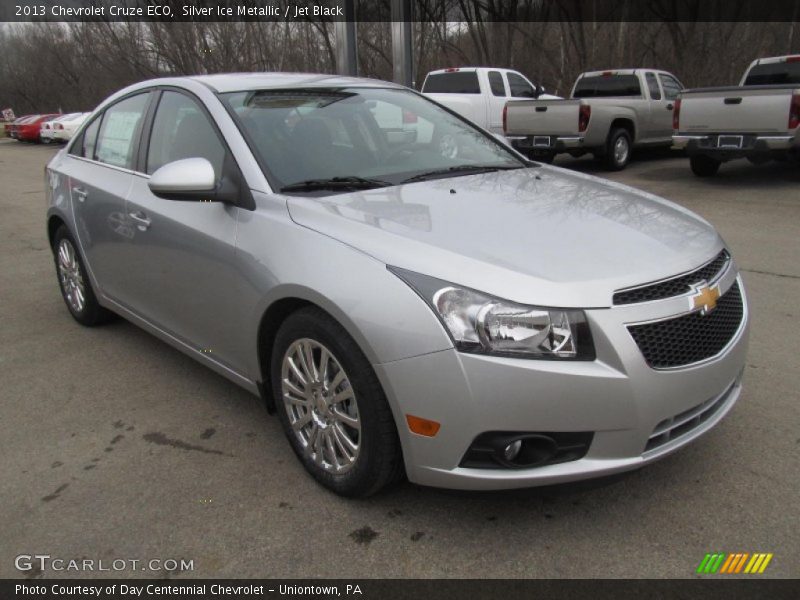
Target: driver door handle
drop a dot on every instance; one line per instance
(141, 220)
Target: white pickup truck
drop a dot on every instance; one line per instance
(480, 93)
(608, 114)
(759, 119)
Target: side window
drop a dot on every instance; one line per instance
(671, 86)
(182, 130)
(652, 85)
(496, 83)
(85, 144)
(116, 142)
(519, 87)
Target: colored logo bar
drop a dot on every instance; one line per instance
(737, 562)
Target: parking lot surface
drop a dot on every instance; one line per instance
(116, 446)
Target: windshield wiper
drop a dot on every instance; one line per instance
(461, 169)
(335, 183)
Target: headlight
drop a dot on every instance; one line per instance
(483, 324)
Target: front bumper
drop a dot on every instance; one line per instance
(617, 396)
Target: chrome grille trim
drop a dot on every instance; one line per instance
(677, 285)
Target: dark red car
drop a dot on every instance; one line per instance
(28, 130)
(13, 127)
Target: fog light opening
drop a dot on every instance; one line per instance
(527, 451)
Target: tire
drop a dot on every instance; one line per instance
(618, 149)
(704, 166)
(71, 273)
(377, 462)
(541, 156)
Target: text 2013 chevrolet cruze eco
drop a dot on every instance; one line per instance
(409, 293)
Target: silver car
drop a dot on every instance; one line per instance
(428, 303)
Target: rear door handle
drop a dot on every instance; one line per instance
(733, 100)
(141, 220)
(541, 109)
(80, 193)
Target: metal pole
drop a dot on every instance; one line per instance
(402, 51)
(346, 57)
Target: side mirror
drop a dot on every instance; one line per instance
(539, 90)
(187, 179)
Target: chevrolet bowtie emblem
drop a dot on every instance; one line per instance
(705, 298)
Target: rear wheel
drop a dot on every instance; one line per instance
(542, 156)
(618, 149)
(704, 166)
(332, 407)
(76, 289)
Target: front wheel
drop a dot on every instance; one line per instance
(332, 406)
(618, 149)
(704, 166)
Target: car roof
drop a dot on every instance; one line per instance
(237, 82)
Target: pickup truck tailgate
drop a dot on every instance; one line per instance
(542, 117)
(735, 110)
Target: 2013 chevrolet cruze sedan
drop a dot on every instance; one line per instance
(408, 292)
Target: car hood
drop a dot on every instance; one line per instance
(539, 235)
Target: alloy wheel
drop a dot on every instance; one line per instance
(321, 406)
(69, 274)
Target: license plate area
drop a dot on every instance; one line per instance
(729, 141)
(541, 141)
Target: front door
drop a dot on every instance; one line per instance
(181, 262)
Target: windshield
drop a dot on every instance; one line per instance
(377, 134)
(774, 73)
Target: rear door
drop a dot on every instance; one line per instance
(659, 125)
(672, 89)
(99, 172)
(496, 98)
(182, 269)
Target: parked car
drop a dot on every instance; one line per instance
(13, 130)
(759, 119)
(47, 128)
(64, 129)
(30, 130)
(480, 93)
(471, 318)
(609, 113)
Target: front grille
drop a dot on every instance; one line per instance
(690, 338)
(674, 427)
(675, 286)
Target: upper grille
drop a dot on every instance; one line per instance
(676, 286)
(690, 338)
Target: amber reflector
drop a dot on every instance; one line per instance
(422, 426)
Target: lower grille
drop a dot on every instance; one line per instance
(674, 427)
(690, 338)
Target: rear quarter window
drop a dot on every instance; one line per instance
(457, 82)
(608, 86)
